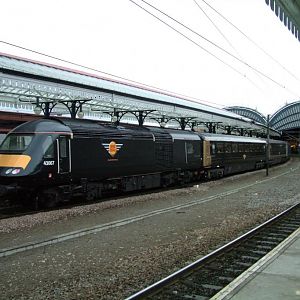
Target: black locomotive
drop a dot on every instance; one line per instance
(51, 160)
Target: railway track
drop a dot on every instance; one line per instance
(20, 211)
(17, 210)
(10, 211)
(207, 276)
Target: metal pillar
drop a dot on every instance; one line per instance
(74, 106)
(268, 146)
(228, 129)
(141, 115)
(44, 106)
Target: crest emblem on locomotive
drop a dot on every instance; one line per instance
(112, 148)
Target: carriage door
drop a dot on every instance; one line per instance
(64, 154)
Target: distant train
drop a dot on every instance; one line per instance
(50, 160)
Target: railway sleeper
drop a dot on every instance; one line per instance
(218, 280)
(283, 231)
(292, 225)
(269, 248)
(233, 271)
(244, 264)
(212, 287)
(273, 237)
(251, 258)
(201, 292)
(247, 251)
(226, 279)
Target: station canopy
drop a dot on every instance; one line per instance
(25, 83)
(288, 11)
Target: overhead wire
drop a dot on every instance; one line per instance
(229, 43)
(185, 36)
(216, 27)
(251, 40)
(209, 41)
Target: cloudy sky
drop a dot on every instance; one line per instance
(215, 63)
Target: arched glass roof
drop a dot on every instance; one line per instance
(287, 117)
(248, 113)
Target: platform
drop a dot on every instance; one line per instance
(276, 276)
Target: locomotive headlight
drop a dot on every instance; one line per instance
(16, 171)
(8, 171)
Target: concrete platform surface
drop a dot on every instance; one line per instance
(275, 277)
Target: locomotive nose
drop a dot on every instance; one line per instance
(7, 190)
(3, 190)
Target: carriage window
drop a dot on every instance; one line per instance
(189, 148)
(48, 147)
(243, 148)
(227, 148)
(260, 148)
(213, 149)
(234, 148)
(220, 147)
(16, 142)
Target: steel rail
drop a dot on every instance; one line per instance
(118, 223)
(155, 288)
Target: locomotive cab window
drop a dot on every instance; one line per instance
(64, 154)
(16, 142)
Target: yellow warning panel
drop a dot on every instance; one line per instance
(14, 160)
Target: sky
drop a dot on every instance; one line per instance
(218, 65)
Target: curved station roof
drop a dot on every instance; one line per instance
(24, 84)
(248, 113)
(287, 117)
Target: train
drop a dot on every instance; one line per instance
(52, 160)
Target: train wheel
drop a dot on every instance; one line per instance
(49, 198)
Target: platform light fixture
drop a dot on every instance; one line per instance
(37, 110)
(80, 114)
(114, 119)
(163, 124)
